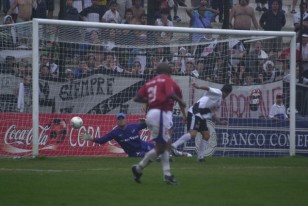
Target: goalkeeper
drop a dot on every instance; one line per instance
(127, 135)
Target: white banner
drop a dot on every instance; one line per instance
(104, 94)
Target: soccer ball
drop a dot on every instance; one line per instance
(76, 122)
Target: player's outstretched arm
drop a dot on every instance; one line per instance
(223, 122)
(200, 87)
(86, 136)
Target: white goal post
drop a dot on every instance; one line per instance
(220, 36)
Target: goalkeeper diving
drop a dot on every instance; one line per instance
(126, 135)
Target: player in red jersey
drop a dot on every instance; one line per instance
(160, 93)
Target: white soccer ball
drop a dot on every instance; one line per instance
(76, 122)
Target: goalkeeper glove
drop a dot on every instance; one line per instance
(86, 137)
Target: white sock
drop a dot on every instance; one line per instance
(165, 163)
(184, 138)
(201, 152)
(149, 157)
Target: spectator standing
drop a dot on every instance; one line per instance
(4, 6)
(93, 13)
(163, 38)
(243, 15)
(50, 4)
(24, 32)
(112, 14)
(71, 13)
(219, 6)
(278, 110)
(138, 10)
(24, 10)
(297, 19)
(273, 20)
(279, 2)
(39, 9)
(201, 17)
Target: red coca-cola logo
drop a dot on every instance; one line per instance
(24, 136)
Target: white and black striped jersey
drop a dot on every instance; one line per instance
(207, 104)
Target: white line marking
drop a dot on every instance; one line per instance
(108, 169)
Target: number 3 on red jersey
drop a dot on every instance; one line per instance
(152, 94)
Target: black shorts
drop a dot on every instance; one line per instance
(196, 123)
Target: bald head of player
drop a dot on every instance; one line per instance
(164, 68)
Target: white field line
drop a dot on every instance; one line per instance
(108, 169)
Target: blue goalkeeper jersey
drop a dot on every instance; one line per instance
(129, 139)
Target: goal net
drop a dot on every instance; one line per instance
(55, 70)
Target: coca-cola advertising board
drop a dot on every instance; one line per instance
(56, 135)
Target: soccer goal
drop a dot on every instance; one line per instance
(56, 70)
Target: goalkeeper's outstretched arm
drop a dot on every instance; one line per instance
(101, 140)
(86, 136)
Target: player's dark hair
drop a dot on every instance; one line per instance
(164, 68)
(227, 88)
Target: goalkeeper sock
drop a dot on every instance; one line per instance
(184, 138)
(148, 158)
(165, 163)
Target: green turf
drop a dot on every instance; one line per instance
(108, 182)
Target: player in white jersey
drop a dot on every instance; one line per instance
(197, 115)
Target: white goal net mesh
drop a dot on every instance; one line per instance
(94, 72)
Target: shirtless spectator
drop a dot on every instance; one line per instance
(24, 14)
(243, 15)
(138, 10)
(24, 10)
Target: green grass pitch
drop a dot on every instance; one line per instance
(108, 181)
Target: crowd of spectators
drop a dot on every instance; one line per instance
(137, 52)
